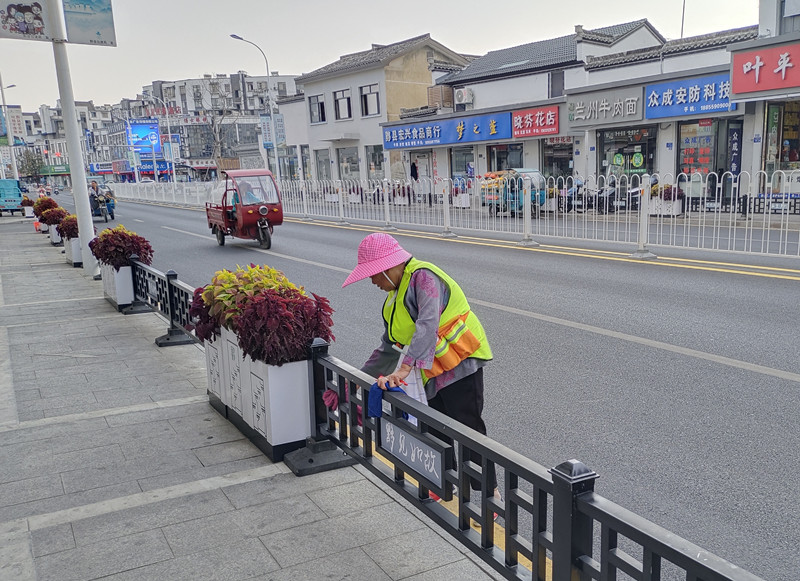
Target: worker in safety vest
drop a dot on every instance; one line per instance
(430, 332)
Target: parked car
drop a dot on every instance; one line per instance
(147, 181)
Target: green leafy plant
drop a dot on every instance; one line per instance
(53, 216)
(68, 227)
(666, 193)
(278, 325)
(115, 246)
(43, 204)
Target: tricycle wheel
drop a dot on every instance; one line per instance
(492, 209)
(264, 238)
(220, 237)
(105, 214)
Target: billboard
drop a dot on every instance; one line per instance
(25, 21)
(90, 22)
(144, 136)
(449, 131)
(698, 96)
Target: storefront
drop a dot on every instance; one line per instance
(449, 147)
(617, 142)
(708, 131)
(545, 149)
(557, 156)
(767, 73)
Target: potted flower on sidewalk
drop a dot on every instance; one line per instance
(666, 200)
(273, 323)
(27, 205)
(39, 207)
(52, 218)
(68, 230)
(113, 249)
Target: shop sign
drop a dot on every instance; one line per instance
(565, 140)
(696, 96)
(766, 69)
(534, 122)
(147, 166)
(120, 166)
(735, 149)
(52, 170)
(449, 131)
(198, 120)
(601, 108)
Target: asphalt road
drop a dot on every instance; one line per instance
(677, 380)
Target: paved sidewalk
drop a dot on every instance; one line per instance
(113, 465)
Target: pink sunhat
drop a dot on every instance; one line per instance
(376, 253)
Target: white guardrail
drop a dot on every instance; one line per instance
(754, 214)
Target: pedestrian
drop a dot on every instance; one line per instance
(429, 331)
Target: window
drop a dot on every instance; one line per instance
(249, 86)
(502, 157)
(341, 100)
(370, 102)
(316, 106)
(323, 164)
(556, 84)
(281, 89)
(374, 157)
(348, 163)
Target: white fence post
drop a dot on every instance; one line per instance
(644, 221)
(447, 233)
(304, 196)
(386, 216)
(527, 237)
(340, 195)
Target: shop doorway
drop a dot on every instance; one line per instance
(422, 176)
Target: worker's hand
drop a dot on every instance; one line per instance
(395, 379)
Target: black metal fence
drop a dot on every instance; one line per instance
(552, 524)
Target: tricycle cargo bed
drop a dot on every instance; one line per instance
(215, 214)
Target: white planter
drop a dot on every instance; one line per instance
(354, 198)
(72, 251)
(659, 207)
(281, 404)
(550, 205)
(400, 200)
(43, 228)
(331, 197)
(28, 211)
(117, 285)
(236, 391)
(215, 369)
(55, 237)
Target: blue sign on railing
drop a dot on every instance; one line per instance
(449, 131)
(698, 96)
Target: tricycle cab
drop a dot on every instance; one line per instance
(250, 206)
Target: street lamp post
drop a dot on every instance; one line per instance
(269, 106)
(9, 130)
(169, 139)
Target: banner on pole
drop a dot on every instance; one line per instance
(25, 21)
(90, 22)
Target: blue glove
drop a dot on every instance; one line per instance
(375, 400)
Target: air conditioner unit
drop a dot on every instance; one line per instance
(463, 96)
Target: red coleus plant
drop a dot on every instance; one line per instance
(206, 327)
(26, 201)
(68, 227)
(115, 246)
(279, 324)
(42, 204)
(53, 216)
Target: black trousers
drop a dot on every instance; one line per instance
(463, 401)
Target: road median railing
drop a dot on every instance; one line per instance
(552, 524)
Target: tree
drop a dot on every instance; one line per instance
(30, 164)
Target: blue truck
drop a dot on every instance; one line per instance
(10, 197)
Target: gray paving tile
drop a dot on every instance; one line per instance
(30, 489)
(160, 514)
(159, 414)
(203, 534)
(458, 571)
(226, 452)
(125, 470)
(352, 565)
(52, 540)
(104, 558)
(26, 416)
(28, 394)
(309, 542)
(339, 500)
(65, 430)
(173, 442)
(225, 563)
(201, 473)
(122, 435)
(56, 503)
(412, 553)
(286, 485)
(263, 519)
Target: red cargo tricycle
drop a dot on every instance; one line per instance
(250, 207)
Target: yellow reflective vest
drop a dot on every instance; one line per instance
(460, 335)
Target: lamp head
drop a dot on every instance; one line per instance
(10, 86)
(236, 36)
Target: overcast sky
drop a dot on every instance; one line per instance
(180, 39)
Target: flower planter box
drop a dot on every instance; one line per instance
(550, 205)
(268, 404)
(354, 198)
(29, 211)
(72, 251)
(461, 200)
(117, 285)
(55, 237)
(43, 228)
(659, 207)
